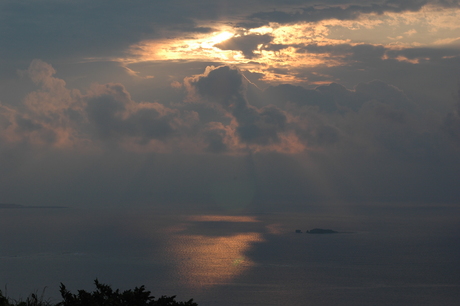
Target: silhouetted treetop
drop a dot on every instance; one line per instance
(104, 295)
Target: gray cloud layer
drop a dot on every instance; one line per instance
(350, 12)
(384, 125)
(297, 144)
(67, 29)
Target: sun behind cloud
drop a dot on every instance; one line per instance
(278, 51)
(201, 47)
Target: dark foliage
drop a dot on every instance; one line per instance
(3, 300)
(32, 300)
(104, 295)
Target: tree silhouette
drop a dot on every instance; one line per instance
(104, 295)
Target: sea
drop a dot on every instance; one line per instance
(383, 254)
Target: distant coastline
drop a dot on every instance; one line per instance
(321, 231)
(18, 206)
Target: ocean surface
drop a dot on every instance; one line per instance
(383, 254)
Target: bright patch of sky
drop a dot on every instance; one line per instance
(285, 46)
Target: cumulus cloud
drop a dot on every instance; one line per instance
(292, 118)
(217, 114)
(226, 87)
(113, 115)
(337, 131)
(372, 115)
(59, 116)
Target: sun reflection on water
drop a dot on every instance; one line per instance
(207, 260)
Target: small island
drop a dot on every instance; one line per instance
(321, 231)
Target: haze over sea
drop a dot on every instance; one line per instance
(390, 255)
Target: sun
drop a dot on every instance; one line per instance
(303, 46)
(200, 47)
(218, 38)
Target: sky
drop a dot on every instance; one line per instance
(229, 105)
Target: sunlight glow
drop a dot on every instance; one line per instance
(199, 48)
(204, 218)
(211, 259)
(305, 46)
(208, 261)
(202, 261)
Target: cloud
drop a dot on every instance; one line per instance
(216, 137)
(96, 29)
(425, 54)
(225, 86)
(115, 118)
(292, 118)
(222, 84)
(89, 29)
(217, 116)
(349, 12)
(373, 114)
(260, 126)
(286, 93)
(246, 44)
(58, 116)
(371, 141)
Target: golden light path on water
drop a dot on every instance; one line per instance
(206, 260)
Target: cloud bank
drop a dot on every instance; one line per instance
(256, 105)
(284, 144)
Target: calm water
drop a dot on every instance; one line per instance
(384, 256)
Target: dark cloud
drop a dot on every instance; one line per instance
(68, 29)
(390, 114)
(370, 141)
(225, 86)
(372, 53)
(285, 93)
(384, 93)
(341, 96)
(246, 44)
(425, 75)
(325, 135)
(88, 29)
(373, 114)
(365, 53)
(425, 54)
(105, 110)
(187, 28)
(114, 115)
(260, 126)
(56, 115)
(25, 124)
(347, 12)
(322, 49)
(215, 139)
(334, 97)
